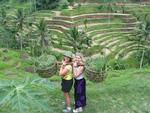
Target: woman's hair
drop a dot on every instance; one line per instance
(80, 55)
(70, 59)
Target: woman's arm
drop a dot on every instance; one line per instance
(63, 70)
(79, 71)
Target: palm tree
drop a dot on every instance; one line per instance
(143, 37)
(78, 39)
(45, 36)
(8, 30)
(3, 16)
(20, 21)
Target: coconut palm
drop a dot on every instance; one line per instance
(8, 30)
(143, 37)
(77, 39)
(45, 38)
(20, 21)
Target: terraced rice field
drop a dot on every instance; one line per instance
(107, 30)
(110, 32)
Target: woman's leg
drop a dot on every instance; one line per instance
(67, 99)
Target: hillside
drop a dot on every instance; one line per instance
(110, 31)
(113, 36)
(123, 91)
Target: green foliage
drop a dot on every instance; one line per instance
(59, 56)
(93, 50)
(80, 10)
(24, 96)
(97, 64)
(142, 37)
(3, 16)
(146, 57)
(44, 38)
(117, 64)
(3, 65)
(78, 39)
(131, 62)
(22, 1)
(3, 1)
(110, 7)
(46, 4)
(45, 61)
(63, 4)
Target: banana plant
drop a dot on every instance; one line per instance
(27, 96)
(20, 21)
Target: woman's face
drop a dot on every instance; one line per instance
(67, 59)
(78, 58)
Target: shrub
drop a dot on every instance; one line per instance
(117, 64)
(45, 61)
(46, 4)
(58, 55)
(96, 69)
(97, 64)
(64, 4)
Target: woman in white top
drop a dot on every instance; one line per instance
(80, 83)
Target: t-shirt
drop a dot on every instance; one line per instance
(69, 74)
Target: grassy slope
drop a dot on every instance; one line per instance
(12, 65)
(122, 91)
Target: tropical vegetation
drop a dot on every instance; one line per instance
(113, 36)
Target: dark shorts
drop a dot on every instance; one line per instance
(66, 85)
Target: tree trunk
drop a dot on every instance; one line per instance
(142, 59)
(21, 43)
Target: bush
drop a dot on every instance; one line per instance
(146, 60)
(59, 56)
(22, 1)
(4, 1)
(117, 64)
(46, 4)
(97, 64)
(63, 4)
(131, 62)
(96, 69)
(45, 61)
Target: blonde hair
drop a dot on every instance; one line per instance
(80, 55)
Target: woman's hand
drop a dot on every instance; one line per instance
(75, 64)
(63, 64)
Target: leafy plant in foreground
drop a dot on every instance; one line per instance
(29, 96)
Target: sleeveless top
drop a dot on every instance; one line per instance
(69, 74)
(81, 76)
